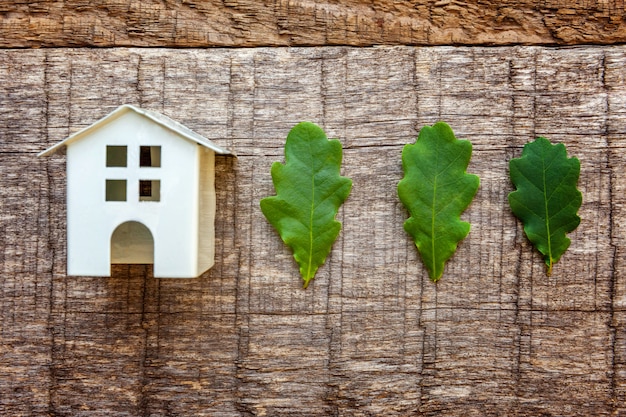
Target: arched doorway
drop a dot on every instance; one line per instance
(132, 243)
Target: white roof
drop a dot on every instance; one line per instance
(162, 120)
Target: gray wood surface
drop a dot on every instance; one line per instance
(202, 23)
(371, 335)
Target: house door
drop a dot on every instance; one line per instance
(132, 243)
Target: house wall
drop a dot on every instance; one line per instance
(92, 220)
(206, 213)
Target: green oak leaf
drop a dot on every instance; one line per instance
(546, 199)
(436, 190)
(309, 191)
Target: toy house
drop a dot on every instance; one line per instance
(140, 189)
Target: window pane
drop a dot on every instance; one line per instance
(145, 188)
(116, 156)
(149, 190)
(150, 156)
(115, 190)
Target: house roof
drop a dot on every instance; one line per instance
(162, 120)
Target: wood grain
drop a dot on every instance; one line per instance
(236, 23)
(371, 335)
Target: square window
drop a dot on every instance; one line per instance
(150, 156)
(150, 190)
(116, 156)
(115, 190)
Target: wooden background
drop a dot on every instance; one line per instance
(371, 336)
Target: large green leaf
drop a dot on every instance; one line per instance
(436, 190)
(309, 191)
(546, 199)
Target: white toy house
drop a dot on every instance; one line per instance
(140, 189)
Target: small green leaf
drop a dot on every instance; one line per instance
(546, 199)
(309, 192)
(436, 190)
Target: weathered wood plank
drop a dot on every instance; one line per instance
(371, 335)
(307, 23)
